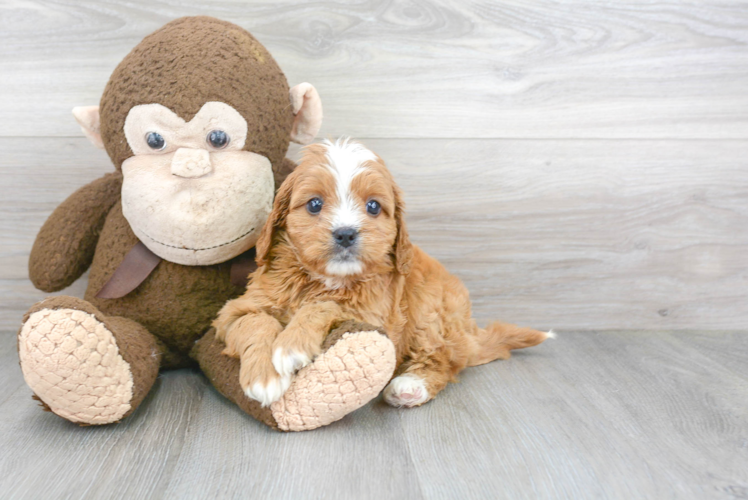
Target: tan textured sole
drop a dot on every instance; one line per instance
(342, 379)
(71, 361)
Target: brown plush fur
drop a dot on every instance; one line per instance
(183, 65)
(292, 300)
(194, 60)
(223, 373)
(55, 262)
(176, 303)
(216, 60)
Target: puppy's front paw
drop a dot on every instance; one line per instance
(294, 349)
(287, 362)
(260, 381)
(269, 392)
(406, 390)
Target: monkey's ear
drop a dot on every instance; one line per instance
(307, 107)
(88, 118)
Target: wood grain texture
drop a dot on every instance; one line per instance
(423, 69)
(591, 415)
(598, 411)
(562, 234)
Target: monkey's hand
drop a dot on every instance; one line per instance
(301, 341)
(65, 245)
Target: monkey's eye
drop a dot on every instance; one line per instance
(373, 207)
(155, 141)
(218, 139)
(314, 206)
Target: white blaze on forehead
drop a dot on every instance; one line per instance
(345, 161)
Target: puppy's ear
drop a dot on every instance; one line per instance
(403, 246)
(276, 220)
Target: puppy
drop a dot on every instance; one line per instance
(335, 247)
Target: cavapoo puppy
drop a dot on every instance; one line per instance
(335, 247)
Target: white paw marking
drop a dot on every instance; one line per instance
(406, 390)
(288, 364)
(270, 393)
(551, 335)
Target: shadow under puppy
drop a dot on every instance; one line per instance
(335, 247)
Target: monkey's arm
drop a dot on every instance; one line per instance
(65, 245)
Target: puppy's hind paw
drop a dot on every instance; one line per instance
(406, 391)
(287, 363)
(269, 392)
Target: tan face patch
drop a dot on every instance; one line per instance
(198, 221)
(188, 201)
(177, 133)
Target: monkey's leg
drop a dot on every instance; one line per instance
(356, 362)
(84, 366)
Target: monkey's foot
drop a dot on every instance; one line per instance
(356, 363)
(70, 358)
(349, 374)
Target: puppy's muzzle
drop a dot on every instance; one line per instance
(345, 236)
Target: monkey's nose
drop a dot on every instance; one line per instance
(345, 236)
(191, 163)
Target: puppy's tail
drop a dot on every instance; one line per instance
(498, 339)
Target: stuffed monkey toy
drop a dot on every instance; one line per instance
(197, 120)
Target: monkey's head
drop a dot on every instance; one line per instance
(196, 117)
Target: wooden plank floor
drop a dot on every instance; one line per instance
(591, 415)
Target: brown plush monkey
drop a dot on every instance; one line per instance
(197, 120)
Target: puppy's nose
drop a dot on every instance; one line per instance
(345, 236)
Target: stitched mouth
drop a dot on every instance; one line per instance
(199, 249)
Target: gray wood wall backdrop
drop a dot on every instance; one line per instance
(579, 165)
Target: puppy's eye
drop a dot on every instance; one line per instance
(314, 206)
(373, 207)
(218, 139)
(155, 141)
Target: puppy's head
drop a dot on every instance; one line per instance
(342, 213)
